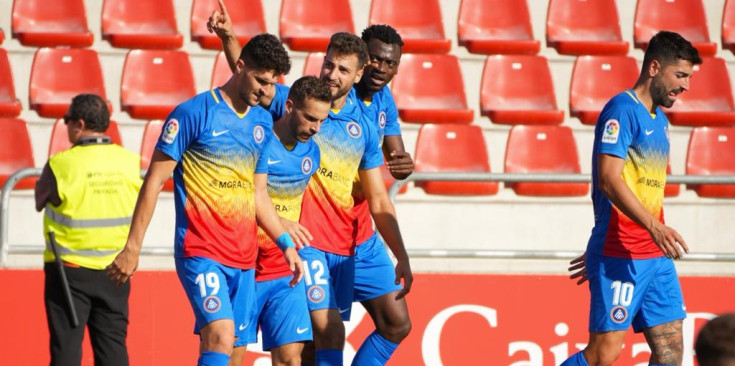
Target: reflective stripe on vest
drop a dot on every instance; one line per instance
(62, 250)
(85, 223)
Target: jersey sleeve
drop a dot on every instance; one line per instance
(278, 105)
(373, 156)
(261, 166)
(182, 127)
(392, 128)
(616, 132)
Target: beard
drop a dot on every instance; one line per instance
(660, 95)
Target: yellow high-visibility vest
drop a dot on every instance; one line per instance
(98, 185)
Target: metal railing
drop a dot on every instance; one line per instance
(7, 188)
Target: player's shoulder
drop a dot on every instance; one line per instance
(198, 103)
(625, 100)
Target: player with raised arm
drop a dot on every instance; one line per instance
(214, 144)
(629, 259)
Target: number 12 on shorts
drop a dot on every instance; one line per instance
(318, 278)
(209, 280)
(622, 293)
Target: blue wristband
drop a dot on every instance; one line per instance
(284, 242)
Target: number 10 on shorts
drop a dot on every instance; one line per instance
(622, 293)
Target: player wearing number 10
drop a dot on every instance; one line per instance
(629, 254)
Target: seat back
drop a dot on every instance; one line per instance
(711, 151)
(42, 23)
(140, 24)
(709, 89)
(596, 79)
(59, 140)
(517, 82)
(728, 25)
(419, 22)
(307, 25)
(15, 151)
(582, 20)
(246, 15)
(313, 64)
(684, 17)
(9, 104)
(429, 81)
(494, 19)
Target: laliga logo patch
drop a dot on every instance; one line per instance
(354, 129)
(315, 294)
(306, 165)
(211, 304)
(258, 134)
(611, 132)
(381, 120)
(618, 314)
(170, 130)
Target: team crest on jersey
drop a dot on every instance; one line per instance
(381, 119)
(618, 314)
(170, 130)
(211, 304)
(306, 165)
(611, 131)
(668, 136)
(258, 134)
(354, 129)
(315, 294)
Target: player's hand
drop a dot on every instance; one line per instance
(295, 264)
(668, 240)
(579, 265)
(403, 270)
(123, 267)
(300, 235)
(220, 23)
(400, 164)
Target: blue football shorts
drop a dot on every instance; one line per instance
(281, 313)
(375, 274)
(328, 280)
(642, 292)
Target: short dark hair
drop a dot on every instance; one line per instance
(716, 341)
(346, 44)
(383, 32)
(309, 87)
(669, 47)
(266, 52)
(92, 109)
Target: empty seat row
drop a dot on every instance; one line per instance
(573, 27)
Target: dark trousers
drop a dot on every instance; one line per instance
(100, 304)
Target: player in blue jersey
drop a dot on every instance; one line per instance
(629, 258)
(213, 144)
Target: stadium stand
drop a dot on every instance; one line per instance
(671, 189)
(313, 63)
(246, 15)
(59, 140)
(543, 149)
(728, 26)
(58, 74)
(15, 151)
(496, 27)
(581, 27)
(154, 82)
(453, 148)
(307, 25)
(429, 89)
(709, 100)
(596, 79)
(9, 104)
(419, 23)
(140, 24)
(40, 23)
(517, 89)
(150, 138)
(684, 17)
(712, 152)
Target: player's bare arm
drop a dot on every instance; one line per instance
(612, 185)
(269, 220)
(384, 216)
(126, 262)
(298, 232)
(399, 162)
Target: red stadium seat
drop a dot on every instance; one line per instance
(496, 27)
(419, 22)
(429, 89)
(728, 26)
(2, 36)
(59, 74)
(43, 23)
(453, 148)
(543, 149)
(709, 100)
(246, 15)
(60, 139)
(15, 151)
(307, 25)
(140, 24)
(712, 152)
(221, 72)
(150, 137)
(684, 17)
(154, 82)
(671, 189)
(313, 64)
(596, 79)
(518, 90)
(9, 103)
(581, 27)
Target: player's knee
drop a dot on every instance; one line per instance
(287, 360)
(217, 338)
(396, 332)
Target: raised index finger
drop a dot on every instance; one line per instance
(222, 7)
